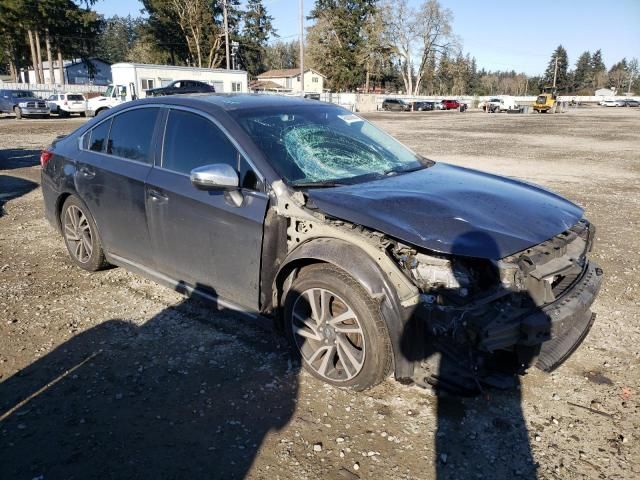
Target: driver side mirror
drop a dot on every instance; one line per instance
(217, 176)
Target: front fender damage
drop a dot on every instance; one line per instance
(488, 320)
(311, 236)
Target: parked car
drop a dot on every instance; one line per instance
(423, 106)
(64, 104)
(23, 103)
(366, 254)
(450, 104)
(395, 104)
(613, 103)
(181, 87)
(632, 103)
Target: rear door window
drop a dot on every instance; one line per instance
(192, 141)
(131, 134)
(96, 140)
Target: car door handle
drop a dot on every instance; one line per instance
(87, 172)
(157, 196)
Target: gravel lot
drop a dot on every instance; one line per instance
(109, 375)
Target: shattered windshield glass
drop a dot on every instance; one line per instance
(314, 144)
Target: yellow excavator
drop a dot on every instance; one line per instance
(547, 101)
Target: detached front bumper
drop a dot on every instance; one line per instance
(568, 319)
(546, 336)
(557, 328)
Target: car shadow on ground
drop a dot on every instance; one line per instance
(12, 158)
(188, 394)
(191, 393)
(13, 187)
(481, 431)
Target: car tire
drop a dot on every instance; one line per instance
(18, 113)
(354, 352)
(81, 235)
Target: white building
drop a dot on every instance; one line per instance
(145, 77)
(605, 92)
(289, 81)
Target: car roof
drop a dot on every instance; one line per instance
(232, 101)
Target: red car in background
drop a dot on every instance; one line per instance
(450, 104)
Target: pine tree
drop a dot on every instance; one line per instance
(256, 31)
(562, 78)
(474, 79)
(583, 75)
(597, 65)
(335, 40)
(117, 38)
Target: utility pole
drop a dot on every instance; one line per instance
(302, 48)
(226, 30)
(555, 72)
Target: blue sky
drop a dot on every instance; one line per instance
(502, 34)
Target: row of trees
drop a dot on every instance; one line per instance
(178, 32)
(31, 29)
(590, 73)
(396, 45)
(357, 44)
(191, 32)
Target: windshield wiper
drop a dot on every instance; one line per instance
(319, 184)
(428, 163)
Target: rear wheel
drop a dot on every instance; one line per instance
(336, 328)
(81, 235)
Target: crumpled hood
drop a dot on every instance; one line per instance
(454, 210)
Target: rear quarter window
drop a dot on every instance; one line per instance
(96, 139)
(131, 134)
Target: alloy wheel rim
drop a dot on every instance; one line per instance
(77, 233)
(328, 335)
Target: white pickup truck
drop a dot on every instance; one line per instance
(115, 95)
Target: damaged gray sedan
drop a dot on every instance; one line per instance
(371, 258)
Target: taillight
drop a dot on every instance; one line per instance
(45, 156)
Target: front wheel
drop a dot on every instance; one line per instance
(81, 235)
(337, 329)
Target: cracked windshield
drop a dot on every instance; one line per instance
(330, 145)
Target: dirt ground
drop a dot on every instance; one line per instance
(108, 375)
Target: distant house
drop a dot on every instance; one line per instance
(93, 71)
(605, 92)
(289, 81)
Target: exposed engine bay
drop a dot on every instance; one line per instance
(488, 307)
